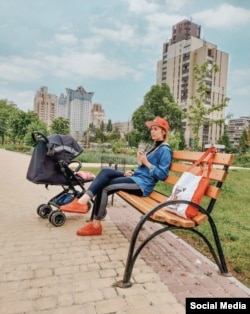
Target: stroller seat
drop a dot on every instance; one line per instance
(85, 176)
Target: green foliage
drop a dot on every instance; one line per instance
(17, 125)
(174, 140)
(114, 135)
(20, 122)
(224, 140)
(242, 160)
(133, 138)
(60, 126)
(244, 142)
(34, 126)
(100, 136)
(118, 145)
(199, 115)
(109, 126)
(102, 126)
(7, 109)
(157, 102)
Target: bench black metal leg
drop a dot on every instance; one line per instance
(133, 252)
(125, 283)
(223, 265)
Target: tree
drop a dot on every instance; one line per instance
(60, 126)
(248, 136)
(244, 141)
(199, 114)
(114, 135)
(133, 138)
(19, 122)
(102, 126)
(109, 126)
(224, 140)
(100, 136)
(7, 109)
(157, 102)
(37, 125)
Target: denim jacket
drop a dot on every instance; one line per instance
(160, 160)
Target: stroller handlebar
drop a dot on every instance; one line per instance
(36, 134)
(78, 167)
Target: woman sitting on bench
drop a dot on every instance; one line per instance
(154, 166)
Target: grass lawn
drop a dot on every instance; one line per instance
(232, 217)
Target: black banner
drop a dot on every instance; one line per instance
(217, 305)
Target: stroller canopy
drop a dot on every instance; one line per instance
(63, 147)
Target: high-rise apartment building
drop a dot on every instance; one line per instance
(80, 105)
(62, 107)
(45, 105)
(235, 129)
(179, 56)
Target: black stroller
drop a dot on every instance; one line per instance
(52, 163)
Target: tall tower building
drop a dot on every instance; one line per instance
(62, 107)
(80, 104)
(45, 105)
(98, 115)
(179, 56)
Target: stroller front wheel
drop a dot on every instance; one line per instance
(57, 218)
(44, 210)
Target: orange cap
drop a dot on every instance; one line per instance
(158, 121)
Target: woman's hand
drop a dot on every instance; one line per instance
(143, 159)
(128, 173)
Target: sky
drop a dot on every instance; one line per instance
(111, 48)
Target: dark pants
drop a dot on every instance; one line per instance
(107, 182)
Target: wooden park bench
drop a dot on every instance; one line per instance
(152, 209)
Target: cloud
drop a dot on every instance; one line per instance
(176, 5)
(159, 29)
(239, 82)
(71, 64)
(20, 69)
(66, 38)
(141, 6)
(24, 97)
(223, 16)
(89, 65)
(118, 33)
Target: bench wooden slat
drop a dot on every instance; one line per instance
(219, 159)
(216, 174)
(158, 197)
(145, 204)
(142, 204)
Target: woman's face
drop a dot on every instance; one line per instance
(157, 133)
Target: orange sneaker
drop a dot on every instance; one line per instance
(89, 230)
(75, 207)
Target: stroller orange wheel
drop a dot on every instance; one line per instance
(44, 210)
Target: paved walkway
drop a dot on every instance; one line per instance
(47, 269)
